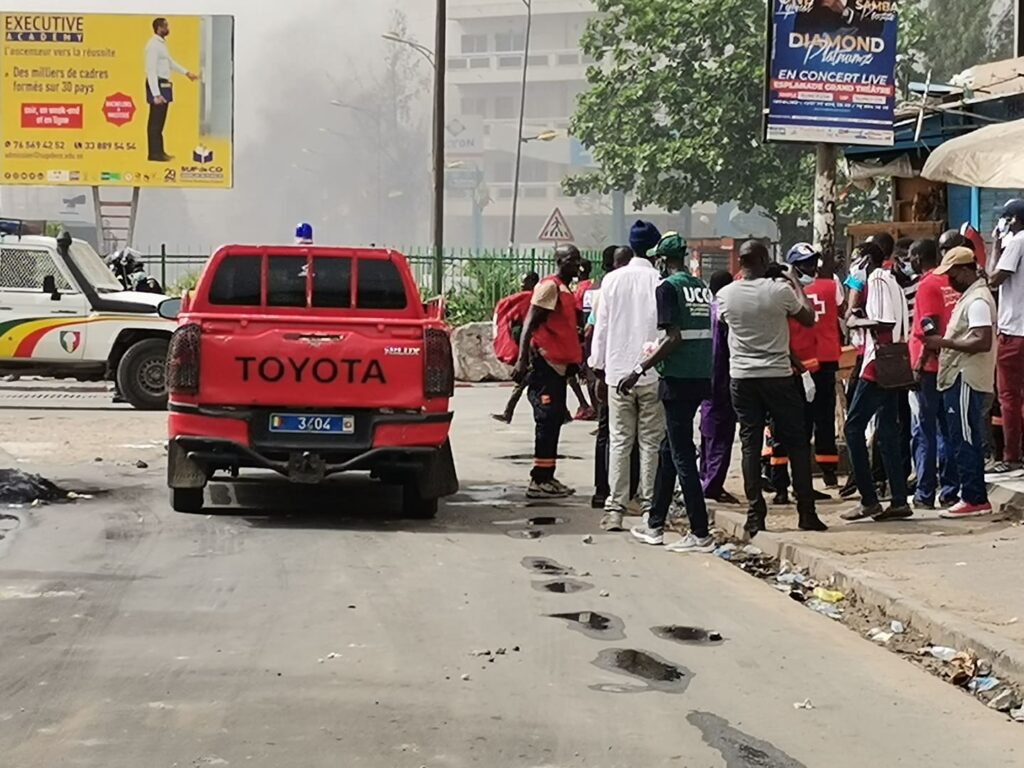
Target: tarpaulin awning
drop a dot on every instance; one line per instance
(991, 157)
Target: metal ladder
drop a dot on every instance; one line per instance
(115, 217)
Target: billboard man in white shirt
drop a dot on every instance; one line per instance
(159, 88)
(967, 376)
(1008, 277)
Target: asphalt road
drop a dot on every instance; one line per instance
(300, 628)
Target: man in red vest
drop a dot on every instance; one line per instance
(549, 351)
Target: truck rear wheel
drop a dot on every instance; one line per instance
(141, 375)
(414, 505)
(187, 500)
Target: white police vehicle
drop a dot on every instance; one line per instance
(63, 314)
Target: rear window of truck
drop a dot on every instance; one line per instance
(239, 282)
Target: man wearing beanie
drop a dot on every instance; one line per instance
(627, 324)
(683, 359)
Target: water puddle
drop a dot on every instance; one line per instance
(562, 586)
(687, 635)
(489, 495)
(546, 566)
(600, 626)
(530, 522)
(656, 673)
(738, 749)
(529, 457)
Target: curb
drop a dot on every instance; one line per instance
(942, 627)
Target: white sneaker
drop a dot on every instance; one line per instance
(654, 536)
(612, 521)
(690, 543)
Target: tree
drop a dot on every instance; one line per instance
(673, 112)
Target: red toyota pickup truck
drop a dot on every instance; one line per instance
(309, 361)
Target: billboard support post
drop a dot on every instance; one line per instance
(440, 65)
(825, 204)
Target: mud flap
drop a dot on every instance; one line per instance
(183, 472)
(438, 478)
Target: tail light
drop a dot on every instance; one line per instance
(438, 367)
(183, 360)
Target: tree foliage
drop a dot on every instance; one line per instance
(674, 108)
(673, 112)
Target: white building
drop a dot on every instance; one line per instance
(486, 39)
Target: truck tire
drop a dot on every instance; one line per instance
(187, 500)
(141, 375)
(414, 505)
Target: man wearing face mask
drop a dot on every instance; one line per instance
(826, 297)
(966, 375)
(884, 320)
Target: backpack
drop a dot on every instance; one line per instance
(509, 317)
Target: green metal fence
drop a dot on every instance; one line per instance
(474, 280)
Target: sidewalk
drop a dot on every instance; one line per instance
(956, 581)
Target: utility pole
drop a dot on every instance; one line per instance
(519, 131)
(824, 204)
(1018, 27)
(440, 64)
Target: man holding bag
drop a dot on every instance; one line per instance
(885, 322)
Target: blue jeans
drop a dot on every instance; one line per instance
(869, 400)
(965, 408)
(932, 454)
(678, 458)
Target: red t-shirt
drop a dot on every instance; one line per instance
(803, 344)
(935, 298)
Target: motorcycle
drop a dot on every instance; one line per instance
(130, 271)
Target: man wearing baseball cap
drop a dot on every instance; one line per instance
(966, 375)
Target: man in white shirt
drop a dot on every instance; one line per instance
(1009, 279)
(626, 328)
(159, 88)
(885, 321)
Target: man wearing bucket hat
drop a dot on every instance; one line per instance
(966, 376)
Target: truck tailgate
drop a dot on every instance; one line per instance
(287, 360)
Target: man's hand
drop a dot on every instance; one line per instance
(192, 76)
(627, 384)
(933, 343)
(519, 370)
(158, 100)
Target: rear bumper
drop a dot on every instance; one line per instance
(205, 439)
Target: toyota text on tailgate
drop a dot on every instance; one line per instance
(310, 361)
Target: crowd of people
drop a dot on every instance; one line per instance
(935, 337)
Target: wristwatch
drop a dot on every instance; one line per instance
(639, 370)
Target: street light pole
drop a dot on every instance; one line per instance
(519, 132)
(440, 64)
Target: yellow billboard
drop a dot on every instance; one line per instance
(116, 100)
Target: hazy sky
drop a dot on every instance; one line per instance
(274, 61)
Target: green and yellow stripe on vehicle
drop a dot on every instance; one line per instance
(19, 338)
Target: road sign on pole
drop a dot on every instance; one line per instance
(556, 229)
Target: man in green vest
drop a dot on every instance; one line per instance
(967, 362)
(683, 360)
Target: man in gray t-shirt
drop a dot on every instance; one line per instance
(757, 310)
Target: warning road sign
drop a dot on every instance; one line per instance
(556, 229)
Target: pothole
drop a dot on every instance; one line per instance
(601, 626)
(687, 635)
(657, 673)
(562, 586)
(525, 533)
(545, 565)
